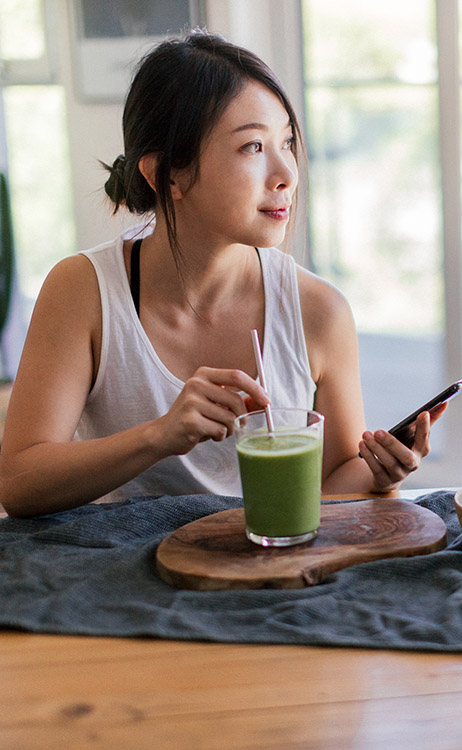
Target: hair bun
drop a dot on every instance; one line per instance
(115, 185)
(119, 165)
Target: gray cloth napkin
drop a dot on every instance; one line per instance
(92, 571)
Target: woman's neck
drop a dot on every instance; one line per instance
(203, 275)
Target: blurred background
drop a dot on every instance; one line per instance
(377, 89)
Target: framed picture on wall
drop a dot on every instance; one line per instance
(110, 36)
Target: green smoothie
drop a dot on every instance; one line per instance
(281, 481)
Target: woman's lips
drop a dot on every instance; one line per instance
(280, 214)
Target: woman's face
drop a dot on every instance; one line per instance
(247, 175)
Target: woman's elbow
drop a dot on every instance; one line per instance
(12, 496)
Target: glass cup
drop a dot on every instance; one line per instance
(281, 475)
(458, 505)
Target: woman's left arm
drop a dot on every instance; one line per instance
(332, 346)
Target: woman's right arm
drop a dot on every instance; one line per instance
(42, 469)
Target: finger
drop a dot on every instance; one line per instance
(206, 424)
(220, 394)
(218, 432)
(199, 388)
(238, 380)
(385, 479)
(251, 404)
(212, 430)
(422, 434)
(219, 415)
(381, 476)
(391, 453)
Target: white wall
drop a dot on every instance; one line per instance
(94, 133)
(270, 28)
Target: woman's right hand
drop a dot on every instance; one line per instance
(207, 407)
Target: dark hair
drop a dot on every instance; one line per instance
(178, 93)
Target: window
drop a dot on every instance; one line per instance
(374, 91)
(35, 140)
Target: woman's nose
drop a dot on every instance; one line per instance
(283, 174)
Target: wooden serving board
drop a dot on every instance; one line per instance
(213, 552)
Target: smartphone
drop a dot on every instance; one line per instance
(405, 430)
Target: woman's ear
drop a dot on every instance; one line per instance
(148, 167)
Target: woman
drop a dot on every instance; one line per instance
(141, 348)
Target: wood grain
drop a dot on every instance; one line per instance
(113, 694)
(213, 553)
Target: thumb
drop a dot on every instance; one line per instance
(437, 412)
(422, 434)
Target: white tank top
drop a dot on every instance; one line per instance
(133, 385)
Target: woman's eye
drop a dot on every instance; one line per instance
(289, 143)
(252, 148)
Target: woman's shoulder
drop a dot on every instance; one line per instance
(70, 293)
(320, 298)
(309, 283)
(72, 274)
(79, 270)
(327, 321)
(322, 303)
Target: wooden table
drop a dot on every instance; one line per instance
(77, 693)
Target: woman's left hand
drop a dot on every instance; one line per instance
(389, 460)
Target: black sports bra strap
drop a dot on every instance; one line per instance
(259, 257)
(135, 275)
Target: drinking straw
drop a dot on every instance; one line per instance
(261, 375)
